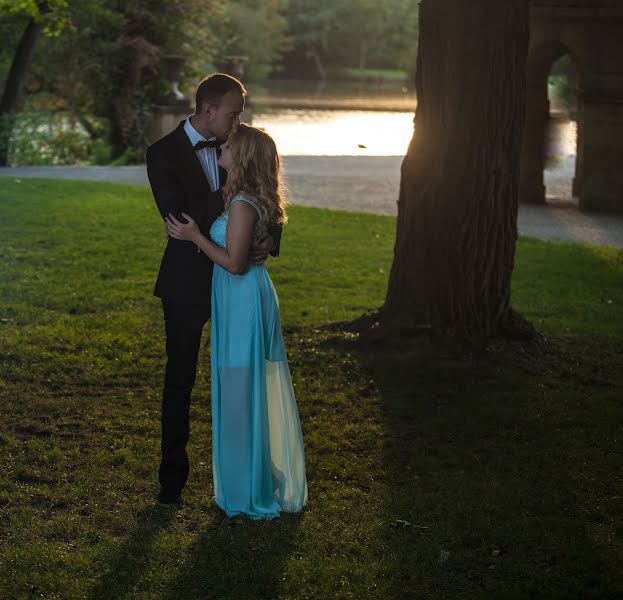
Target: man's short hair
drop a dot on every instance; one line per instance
(212, 88)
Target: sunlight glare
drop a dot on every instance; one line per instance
(337, 132)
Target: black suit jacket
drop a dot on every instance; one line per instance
(178, 183)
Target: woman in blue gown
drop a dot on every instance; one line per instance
(258, 458)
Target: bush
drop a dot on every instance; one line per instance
(100, 152)
(130, 156)
(42, 137)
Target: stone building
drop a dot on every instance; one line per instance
(591, 31)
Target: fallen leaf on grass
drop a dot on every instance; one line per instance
(401, 522)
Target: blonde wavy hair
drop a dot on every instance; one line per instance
(256, 172)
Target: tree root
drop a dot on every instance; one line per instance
(517, 328)
(399, 337)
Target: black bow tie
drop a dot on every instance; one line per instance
(203, 144)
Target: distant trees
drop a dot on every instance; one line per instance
(256, 29)
(354, 33)
(377, 34)
(104, 66)
(99, 60)
(312, 27)
(31, 18)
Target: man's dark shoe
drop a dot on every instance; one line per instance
(168, 498)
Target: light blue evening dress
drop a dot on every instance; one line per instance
(258, 459)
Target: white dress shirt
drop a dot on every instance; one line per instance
(207, 156)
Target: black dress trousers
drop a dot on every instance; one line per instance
(184, 320)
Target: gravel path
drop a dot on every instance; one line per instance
(370, 184)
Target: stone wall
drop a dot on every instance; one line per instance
(591, 31)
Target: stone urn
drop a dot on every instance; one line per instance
(234, 65)
(173, 65)
(172, 106)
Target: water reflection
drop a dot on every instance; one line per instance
(308, 132)
(337, 132)
(309, 118)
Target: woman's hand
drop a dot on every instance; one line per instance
(182, 231)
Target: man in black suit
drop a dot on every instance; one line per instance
(185, 177)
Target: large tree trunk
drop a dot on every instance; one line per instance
(457, 211)
(15, 81)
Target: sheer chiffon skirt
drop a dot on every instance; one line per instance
(258, 458)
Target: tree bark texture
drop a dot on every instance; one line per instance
(15, 81)
(19, 67)
(457, 210)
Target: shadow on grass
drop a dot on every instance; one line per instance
(229, 558)
(237, 558)
(131, 559)
(502, 477)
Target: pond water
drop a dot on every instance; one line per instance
(309, 118)
(354, 119)
(309, 132)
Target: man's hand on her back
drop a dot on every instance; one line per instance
(259, 253)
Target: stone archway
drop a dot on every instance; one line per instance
(591, 32)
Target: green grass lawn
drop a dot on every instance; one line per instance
(487, 478)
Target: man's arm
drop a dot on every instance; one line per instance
(167, 190)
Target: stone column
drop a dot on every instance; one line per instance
(579, 159)
(599, 180)
(600, 185)
(167, 118)
(531, 186)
